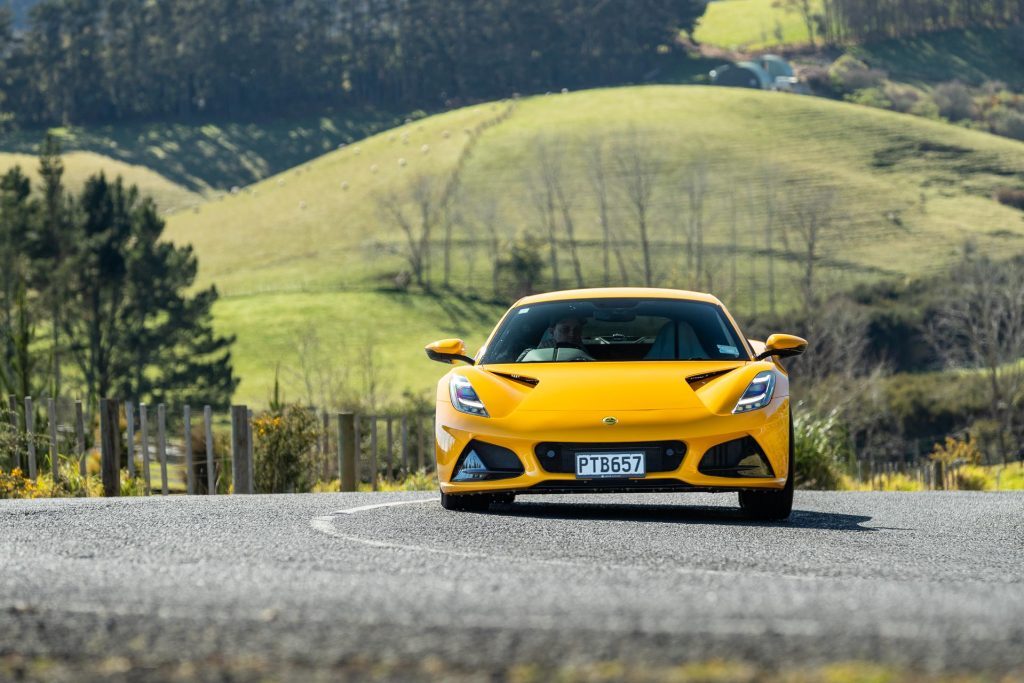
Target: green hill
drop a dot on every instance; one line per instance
(78, 166)
(307, 255)
(210, 157)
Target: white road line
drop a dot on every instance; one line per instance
(362, 508)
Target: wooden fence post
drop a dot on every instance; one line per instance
(161, 444)
(940, 476)
(190, 474)
(359, 447)
(420, 441)
(240, 464)
(326, 462)
(129, 421)
(144, 425)
(30, 437)
(80, 438)
(252, 459)
(405, 443)
(211, 475)
(347, 451)
(51, 416)
(12, 405)
(110, 457)
(389, 457)
(373, 451)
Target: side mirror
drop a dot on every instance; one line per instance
(783, 346)
(448, 351)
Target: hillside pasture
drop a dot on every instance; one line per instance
(78, 166)
(896, 196)
(752, 25)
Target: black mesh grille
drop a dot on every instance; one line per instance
(737, 458)
(660, 456)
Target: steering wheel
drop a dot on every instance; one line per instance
(570, 345)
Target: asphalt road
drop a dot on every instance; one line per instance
(312, 586)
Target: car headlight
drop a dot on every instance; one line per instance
(464, 397)
(758, 393)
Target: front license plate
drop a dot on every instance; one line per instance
(601, 465)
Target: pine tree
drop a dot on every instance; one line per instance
(136, 330)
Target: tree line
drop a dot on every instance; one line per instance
(91, 61)
(842, 21)
(94, 303)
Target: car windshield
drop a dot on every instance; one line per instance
(615, 330)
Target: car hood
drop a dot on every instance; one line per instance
(712, 386)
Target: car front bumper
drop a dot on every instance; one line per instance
(698, 429)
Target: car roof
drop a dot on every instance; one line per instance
(619, 293)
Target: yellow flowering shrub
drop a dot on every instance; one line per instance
(283, 450)
(955, 450)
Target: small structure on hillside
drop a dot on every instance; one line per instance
(741, 75)
(775, 66)
(768, 72)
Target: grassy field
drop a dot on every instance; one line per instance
(78, 166)
(211, 157)
(751, 25)
(308, 251)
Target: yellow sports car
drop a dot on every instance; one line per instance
(616, 390)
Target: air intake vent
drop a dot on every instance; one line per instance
(482, 461)
(697, 381)
(740, 458)
(528, 381)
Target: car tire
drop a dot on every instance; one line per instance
(772, 505)
(479, 502)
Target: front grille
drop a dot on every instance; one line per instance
(660, 456)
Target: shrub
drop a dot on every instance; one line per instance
(849, 74)
(1011, 197)
(870, 97)
(821, 450)
(283, 441)
(902, 98)
(1006, 121)
(925, 107)
(818, 80)
(15, 484)
(970, 478)
(954, 101)
(957, 451)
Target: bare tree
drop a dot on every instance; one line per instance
(981, 326)
(553, 201)
(697, 190)
(815, 223)
(769, 184)
(639, 171)
(415, 210)
(598, 176)
(479, 216)
(322, 378)
(734, 240)
(542, 194)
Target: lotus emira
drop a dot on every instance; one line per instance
(616, 390)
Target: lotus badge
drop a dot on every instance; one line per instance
(610, 421)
